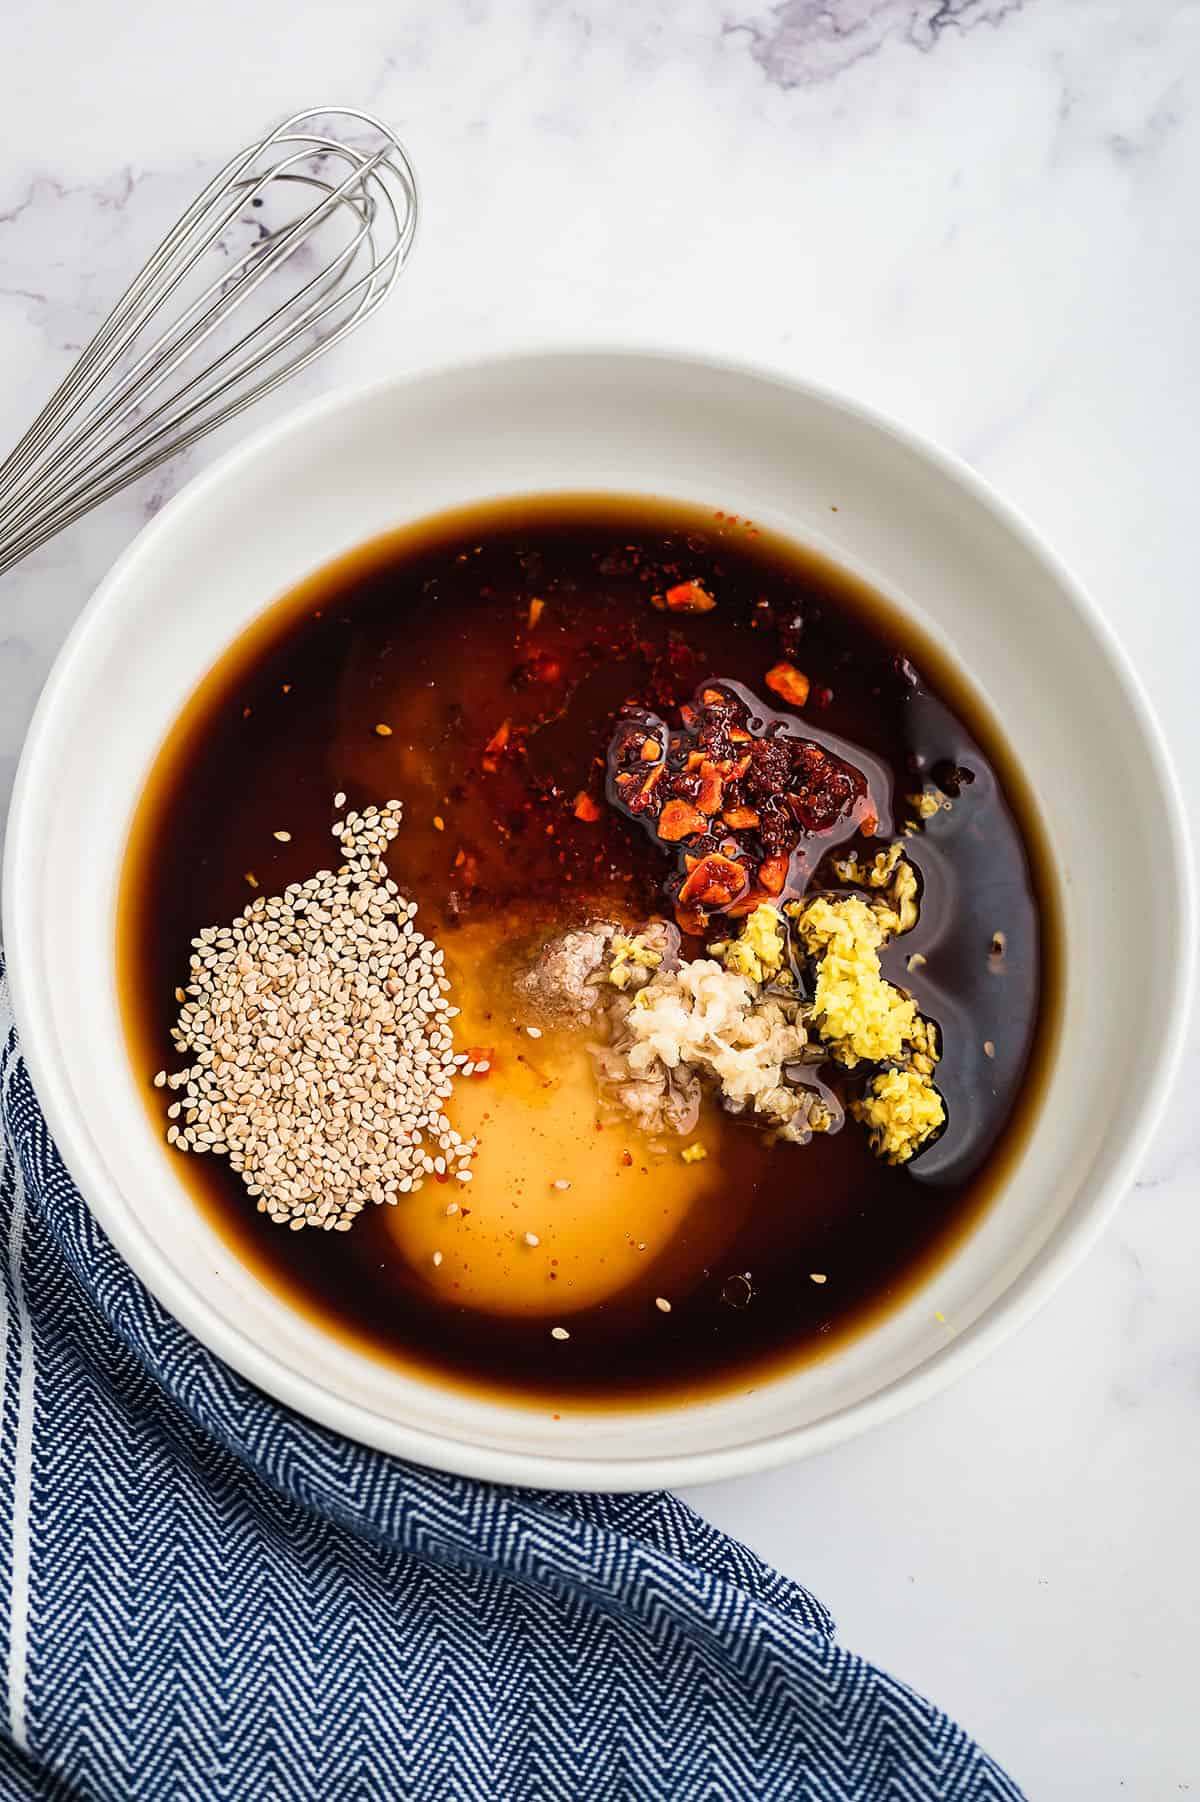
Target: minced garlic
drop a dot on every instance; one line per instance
(699, 1022)
(757, 952)
(902, 1109)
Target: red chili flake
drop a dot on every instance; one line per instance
(638, 803)
(715, 882)
(736, 782)
(709, 794)
(789, 682)
(685, 597)
(679, 819)
(691, 920)
(495, 745)
(627, 1158)
(536, 609)
(772, 873)
(746, 904)
(543, 666)
(585, 808)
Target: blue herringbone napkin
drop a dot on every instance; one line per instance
(204, 1596)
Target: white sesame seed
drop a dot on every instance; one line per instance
(559, 1332)
(532, 1239)
(452, 1207)
(339, 800)
(662, 1304)
(293, 1025)
(535, 1032)
(437, 1258)
(285, 838)
(815, 1277)
(561, 1182)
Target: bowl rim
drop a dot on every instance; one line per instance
(1012, 1309)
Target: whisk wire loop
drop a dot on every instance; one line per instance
(347, 220)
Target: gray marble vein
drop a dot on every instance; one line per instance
(804, 42)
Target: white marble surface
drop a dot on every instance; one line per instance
(980, 215)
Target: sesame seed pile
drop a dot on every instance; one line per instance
(319, 1030)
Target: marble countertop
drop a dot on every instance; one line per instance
(980, 216)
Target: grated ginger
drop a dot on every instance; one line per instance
(631, 955)
(902, 1109)
(927, 803)
(858, 1014)
(923, 1047)
(757, 952)
(893, 877)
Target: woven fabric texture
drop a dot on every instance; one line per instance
(202, 1595)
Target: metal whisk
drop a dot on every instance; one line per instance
(294, 243)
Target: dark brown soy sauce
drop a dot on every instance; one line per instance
(428, 632)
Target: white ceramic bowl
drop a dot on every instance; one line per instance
(922, 528)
